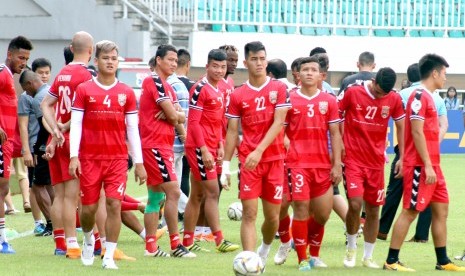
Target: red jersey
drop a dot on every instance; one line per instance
(104, 121)
(227, 87)
(307, 125)
(365, 124)
(64, 87)
(8, 103)
(206, 113)
(420, 106)
(255, 107)
(155, 133)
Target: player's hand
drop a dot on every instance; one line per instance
(28, 159)
(207, 158)
(58, 136)
(3, 136)
(225, 178)
(49, 151)
(343, 152)
(160, 115)
(182, 138)
(35, 160)
(253, 159)
(62, 127)
(398, 169)
(336, 173)
(140, 173)
(141, 207)
(220, 156)
(430, 175)
(74, 167)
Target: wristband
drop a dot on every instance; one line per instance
(225, 167)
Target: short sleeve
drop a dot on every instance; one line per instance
(333, 111)
(233, 108)
(79, 102)
(418, 106)
(130, 106)
(284, 100)
(24, 105)
(398, 113)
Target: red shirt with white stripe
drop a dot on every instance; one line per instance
(103, 124)
(8, 103)
(155, 133)
(366, 121)
(307, 125)
(256, 107)
(206, 113)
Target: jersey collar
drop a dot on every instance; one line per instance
(258, 88)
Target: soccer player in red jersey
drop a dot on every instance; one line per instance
(19, 50)
(424, 183)
(204, 148)
(65, 186)
(103, 112)
(261, 105)
(311, 171)
(159, 113)
(366, 107)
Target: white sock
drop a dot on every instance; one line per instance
(207, 230)
(352, 241)
(110, 251)
(368, 250)
(142, 234)
(88, 237)
(103, 241)
(2, 230)
(38, 222)
(264, 249)
(198, 230)
(71, 242)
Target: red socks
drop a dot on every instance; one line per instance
(218, 237)
(98, 244)
(188, 239)
(174, 241)
(316, 232)
(283, 230)
(59, 237)
(151, 243)
(300, 233)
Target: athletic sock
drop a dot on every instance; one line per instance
(174, 240)
(188, 238)
(300, 234)
(218, 237)
(151, 243)
(316, 232)
(283, 229)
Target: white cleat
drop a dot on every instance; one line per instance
(317, 262)
(87, 254)
(263, 255)
(349, 259)
(370, 263)
(283, 252)
(109, 264)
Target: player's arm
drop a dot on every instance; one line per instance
(75, 135)
(180, 112)
(254, 157)
(23, 121)
(336, 146)
(169, 112)
(400, 126)
(443, 126)
(48, 111)
(195, 129)
(420, 145)
(135, 148)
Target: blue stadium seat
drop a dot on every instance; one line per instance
(439, 33)
(217, 27)
(456, 33)
(246, 17)
(233, 28)
(414, 33)
(426, 33)
(381, 33)
(397, 32)
(323, 31)
(340, 32)
(307, 31)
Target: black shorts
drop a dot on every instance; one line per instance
(30, 175)
(41, 171)
(336, 190)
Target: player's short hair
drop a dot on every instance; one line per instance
(254, 47)
(305, 60)
(152, 62)
(386, 79)
(277, 67)
(163, 50)
(413, 73)
(184, 57)
(323, 61)
(217, 55)
(430, 62)
(105, 46)
(227, 48)
(295, 63)
(39, 63)
(68, 54)
(366, 58)
(20, 42)
(28, 75)
(317, 50)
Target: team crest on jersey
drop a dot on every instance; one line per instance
(122, 99)
(416, 106)
(385, 111)
(323, 107)
(273, 97)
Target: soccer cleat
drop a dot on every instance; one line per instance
(73, 253)
(368, 262)
(39, 229)
(158, 253)
(317, 262)
(161, 231)
(283, 252)
(397, 266)
(7, 249)
(181, 252)
(226, 246)
(450, 267)
(47, 231)
(460, 257)
(97, 252)
(305, 265)
(118, 255)
(59, 252)
(349, 259)
(198, 237)
(382, 236)
(87, 254)
(263, 254)
(208, 237)
(196, 248)
(109, 264)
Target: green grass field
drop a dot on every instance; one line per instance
(35, 254)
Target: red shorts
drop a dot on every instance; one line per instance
(111, 173)
(198, 170)
(159, 164)
(265, 181)
(287, 183)
(59, 164)
(364, 182)
(308, 183)
(418, 194)
(6, 150)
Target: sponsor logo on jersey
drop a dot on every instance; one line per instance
(385, 111)
(91, 99)
(273, 97)
(122, 99)
(359, 107)
(323, 107)
(245, 105)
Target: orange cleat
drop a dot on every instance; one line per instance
(119, 255)
(73, 253)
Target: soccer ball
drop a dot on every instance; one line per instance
(235, 211)
(248, 263)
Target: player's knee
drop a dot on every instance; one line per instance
(249, 215)
(155, 201)
(4, 189)
(355, 204)
(174, 194)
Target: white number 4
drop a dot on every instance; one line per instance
(121, 189)
(107, 101)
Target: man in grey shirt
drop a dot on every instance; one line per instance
(366, 64)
